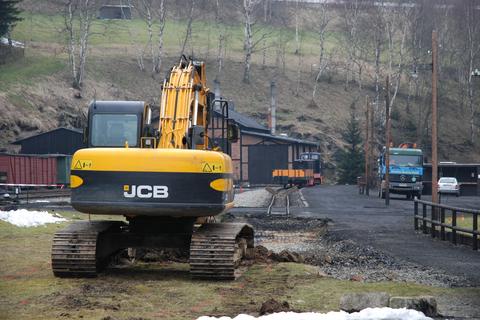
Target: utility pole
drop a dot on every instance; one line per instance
(387, 144)
(434, 119)
(367, 147)
(371, 141)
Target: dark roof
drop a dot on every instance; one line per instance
(244, 121)
(48, 132)
(281, 138)
(453, 164)
(403, 151)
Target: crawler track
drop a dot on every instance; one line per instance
(216, 249)
(75, 251)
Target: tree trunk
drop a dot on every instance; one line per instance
(188, 33)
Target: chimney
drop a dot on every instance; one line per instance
(218, 95)
(272, 121)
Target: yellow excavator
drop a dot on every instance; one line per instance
(166, 182)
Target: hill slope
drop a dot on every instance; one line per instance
(35, 94)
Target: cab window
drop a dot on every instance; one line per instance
(113, 130)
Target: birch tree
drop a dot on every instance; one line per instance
(471, 58)
(221, 37)
(188, 31)
(351, 20)
(145, 10)
(154, 14)
(323, 21)
(248, 8)
(162, 13)
(396, 25)
(78, 17)
(297, 35)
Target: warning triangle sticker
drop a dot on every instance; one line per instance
(206, 168)
(78, 165)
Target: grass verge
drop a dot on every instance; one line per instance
(160, 290)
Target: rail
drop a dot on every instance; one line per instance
(439, 214)
(271, 206)
(26, 195)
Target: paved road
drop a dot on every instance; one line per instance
(368, 221)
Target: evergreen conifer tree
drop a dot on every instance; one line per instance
(350, 160)
(9, 16)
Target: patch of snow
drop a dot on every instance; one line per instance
(41, 201)
(18, 44)
(25, 218)
(366, 314)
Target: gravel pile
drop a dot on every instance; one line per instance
(345, 259)
(252, 198)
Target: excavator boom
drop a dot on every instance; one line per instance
(183, 108)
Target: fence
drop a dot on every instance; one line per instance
(447, 223)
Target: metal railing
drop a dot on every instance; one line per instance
(443, 222)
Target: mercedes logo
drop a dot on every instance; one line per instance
(402, 177)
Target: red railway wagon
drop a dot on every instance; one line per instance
(26, 169)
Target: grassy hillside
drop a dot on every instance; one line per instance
(35, 92)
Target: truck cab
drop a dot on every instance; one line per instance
(406, 172)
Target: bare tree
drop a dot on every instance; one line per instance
(161, 16)
(145, 10)
(221, 37)
(248, 8)
(78, 16)
(188, 32)
(396, 25)
(323, 21)
(297, 35)
(280, 51)
(376, 26)
(153, 12)
(470, 57)
(351, 14)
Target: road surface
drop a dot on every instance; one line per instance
(368, 221)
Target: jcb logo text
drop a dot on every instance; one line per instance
(145, 191)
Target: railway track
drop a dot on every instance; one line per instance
(280, 202)
(44, 194)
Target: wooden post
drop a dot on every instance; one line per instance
(442, 221)
(454, 225)
(434, 122)
(415, 213)
(475, 229)
(387, 143)
(424, 216)
(367, 147)
(433, 219)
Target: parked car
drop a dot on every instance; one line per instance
(449, 185)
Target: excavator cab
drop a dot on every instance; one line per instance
(116, 124)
